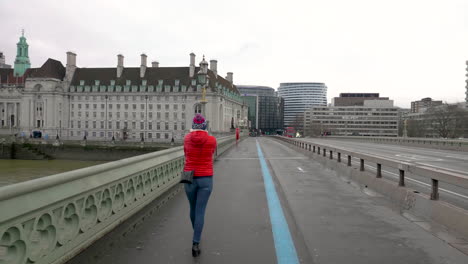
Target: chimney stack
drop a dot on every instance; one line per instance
(229, 77)
(192, 65)
(155, 64)
(71, 66)
(143, 65)
(120, 65)
(2, 58)
(214, 67)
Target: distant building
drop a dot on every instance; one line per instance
(375, 117)
(299, 97)
(251, 101)
(424, 104)
(122, 103)
(266, 109)
(353, 99)
(3, 64)
(257, 90)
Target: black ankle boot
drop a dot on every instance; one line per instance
(195, 250)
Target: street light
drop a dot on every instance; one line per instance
(105, 122)
(146, 117)
(204, 80)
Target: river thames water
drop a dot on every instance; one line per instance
(14, 171)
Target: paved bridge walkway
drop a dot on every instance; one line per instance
(329, 219)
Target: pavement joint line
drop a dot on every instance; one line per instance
(284, 245)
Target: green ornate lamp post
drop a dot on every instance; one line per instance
(204, 80)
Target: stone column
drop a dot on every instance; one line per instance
(30, 116)
(5, 114)
(19, 118)
(44, 114)
(15, 114)
(2, 107)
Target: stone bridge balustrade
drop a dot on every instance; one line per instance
(51, 219)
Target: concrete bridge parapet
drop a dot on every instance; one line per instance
(51, 219)
(426, 206)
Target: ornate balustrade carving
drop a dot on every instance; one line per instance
(49, 220)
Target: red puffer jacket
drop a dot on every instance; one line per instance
(199, 148)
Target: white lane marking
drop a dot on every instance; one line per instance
(396, 176)
(457, 157)
(420, 182)
(390, 147)
(439, 167)
(417, 157)
(434, 166)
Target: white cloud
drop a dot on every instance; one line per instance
(405, 50)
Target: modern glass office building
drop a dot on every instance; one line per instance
(265, 108)
(300, 96)
(252, 102)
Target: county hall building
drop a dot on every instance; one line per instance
(122, 103)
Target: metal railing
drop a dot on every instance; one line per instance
(434, 174)
(51, 219)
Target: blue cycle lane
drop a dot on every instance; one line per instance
(284, 244)
(244, 222)
(272, 203)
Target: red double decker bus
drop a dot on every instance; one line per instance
(290, 132)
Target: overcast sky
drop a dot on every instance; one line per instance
(402, 49)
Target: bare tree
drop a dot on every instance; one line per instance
(416, 128)
(448, 121)
(318, 128)
(314, 129)
(298, 123)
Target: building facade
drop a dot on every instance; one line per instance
(424, 104)
(22, 57)
(299, 97)
(122, 103)
(251, 101)
(3, 64)
(466, 87)
(267, 111)
(374, 118)
(350, 99)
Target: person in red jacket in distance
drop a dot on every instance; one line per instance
(199, 148)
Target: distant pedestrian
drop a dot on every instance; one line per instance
(199, 148)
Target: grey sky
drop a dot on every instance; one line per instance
(403, 49)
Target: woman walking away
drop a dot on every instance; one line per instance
(199, 148)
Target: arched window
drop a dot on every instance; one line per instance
(37, 88)
(198, 108)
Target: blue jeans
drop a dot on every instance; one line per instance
(198, 194)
